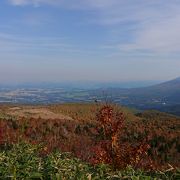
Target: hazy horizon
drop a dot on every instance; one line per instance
(82, 84)
(89, 41)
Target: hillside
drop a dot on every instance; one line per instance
(73, 128)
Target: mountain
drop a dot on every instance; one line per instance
(164, 96)
(167, 92)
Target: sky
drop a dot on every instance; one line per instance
(89, 40)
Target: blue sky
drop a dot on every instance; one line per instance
(89, 40)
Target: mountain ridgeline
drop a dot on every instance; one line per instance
(164, 96)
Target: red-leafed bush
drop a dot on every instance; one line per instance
(109, 148)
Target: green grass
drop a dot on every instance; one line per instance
(25, 161)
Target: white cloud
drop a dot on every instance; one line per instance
(19, 2)
(153, 26)
(156, 23)
(164, 37)
(32, 2)
(158, 36)
(19, 44)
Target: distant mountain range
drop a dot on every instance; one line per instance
(164, 96)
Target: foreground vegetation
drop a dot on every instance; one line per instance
(25, 161)
(102, 141)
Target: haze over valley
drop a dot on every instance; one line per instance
(164, 96)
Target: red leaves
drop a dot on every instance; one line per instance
(110, 139)
(109, 149)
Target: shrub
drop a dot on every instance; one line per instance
(109, 149)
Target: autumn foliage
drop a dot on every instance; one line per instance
(109, 148)
(100, 134)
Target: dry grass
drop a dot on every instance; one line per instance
(35, 112)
